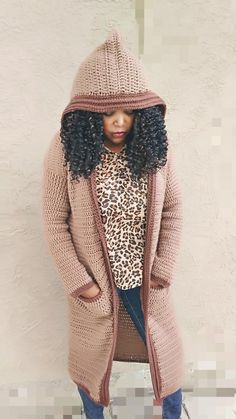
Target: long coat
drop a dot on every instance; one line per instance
(100, 329)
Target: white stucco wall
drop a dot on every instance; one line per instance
(188, 49)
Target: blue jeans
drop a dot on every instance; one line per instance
(171, 406)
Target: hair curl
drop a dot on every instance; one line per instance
(82, 137)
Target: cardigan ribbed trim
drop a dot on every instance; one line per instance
(109, 103)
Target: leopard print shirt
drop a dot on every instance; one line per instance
(122, 204)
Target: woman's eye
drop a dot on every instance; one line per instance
(129, 112)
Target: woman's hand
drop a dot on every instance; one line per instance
(154, 284)
(91, 292)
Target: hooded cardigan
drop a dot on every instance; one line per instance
(100, 329)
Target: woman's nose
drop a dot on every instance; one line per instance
(120, 120)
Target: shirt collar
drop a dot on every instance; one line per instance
(108, 151)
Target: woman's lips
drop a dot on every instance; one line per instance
(118, 134)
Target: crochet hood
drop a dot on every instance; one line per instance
(111, 77)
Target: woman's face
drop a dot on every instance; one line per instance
(117, 121)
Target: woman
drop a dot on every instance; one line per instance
(112, 212)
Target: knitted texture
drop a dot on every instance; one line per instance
(100, 329)
(111, 69)
(110, 77)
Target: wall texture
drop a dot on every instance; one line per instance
(188, 49)
(190, 53)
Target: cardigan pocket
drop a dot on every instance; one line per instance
(99, 306)
(158, 284)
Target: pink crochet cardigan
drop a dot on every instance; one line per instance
(100, 329)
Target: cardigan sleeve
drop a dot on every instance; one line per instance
(55, 212)
(170, 227)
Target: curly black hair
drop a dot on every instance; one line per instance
(82, 137)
